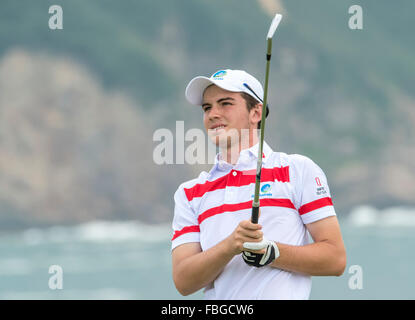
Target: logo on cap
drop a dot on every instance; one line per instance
(219, 75)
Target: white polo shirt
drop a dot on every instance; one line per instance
(293, 193)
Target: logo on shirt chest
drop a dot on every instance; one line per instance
(265, 190)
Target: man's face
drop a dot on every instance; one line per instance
(226, 115)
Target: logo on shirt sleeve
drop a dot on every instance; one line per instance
(318, 181)
(320, 189)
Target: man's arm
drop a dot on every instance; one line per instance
(194, 269)
(325, 257)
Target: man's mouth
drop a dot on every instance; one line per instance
(218, 127)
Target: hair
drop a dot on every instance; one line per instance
(251, 102)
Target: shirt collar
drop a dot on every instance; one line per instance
(266, 151)
(220, 164)
(252, 152)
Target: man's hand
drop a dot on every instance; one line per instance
(246, 231)
(260, 259)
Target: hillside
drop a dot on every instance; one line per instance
(79, 106)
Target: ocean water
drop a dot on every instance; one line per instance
(131, 260)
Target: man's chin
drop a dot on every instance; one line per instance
(225, 139)
(218, 140)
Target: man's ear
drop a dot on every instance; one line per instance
(256, 113)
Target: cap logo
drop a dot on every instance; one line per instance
(219, 75)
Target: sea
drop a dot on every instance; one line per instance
(129, 260)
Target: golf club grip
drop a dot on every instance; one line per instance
(255, 214)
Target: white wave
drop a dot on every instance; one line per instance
(365, 216)
(123, 231)
(15, 266)
(100, 231)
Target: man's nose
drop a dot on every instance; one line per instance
(215, 112)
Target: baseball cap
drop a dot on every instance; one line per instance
(231, 80)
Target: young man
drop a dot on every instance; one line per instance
(212, 212)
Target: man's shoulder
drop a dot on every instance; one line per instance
(298, 164)
(292, 160)
(192, 182)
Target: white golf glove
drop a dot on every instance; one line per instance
(260, 259)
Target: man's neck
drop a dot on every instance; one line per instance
(231, 154)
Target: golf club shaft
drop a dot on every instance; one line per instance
(255, 204)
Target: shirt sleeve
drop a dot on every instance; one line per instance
(314, 194)
(185, 225)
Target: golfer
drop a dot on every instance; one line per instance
(215, 245)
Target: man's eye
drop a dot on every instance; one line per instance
(206, 109)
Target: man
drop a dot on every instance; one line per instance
(212, 212)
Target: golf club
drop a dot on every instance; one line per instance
(255, 204)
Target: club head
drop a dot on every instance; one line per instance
(274, 24)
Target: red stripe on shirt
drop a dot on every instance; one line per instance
(200, 189)
(286, 203)
(316, 204)
(187, 229)
(282, 174)
(243, 178)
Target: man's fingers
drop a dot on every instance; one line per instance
(247, 224)
(250, 232)
(252, 235)
(247, 232)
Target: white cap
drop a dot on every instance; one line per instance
(231, 80)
